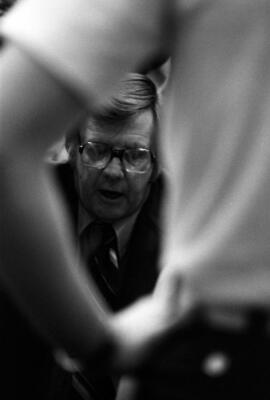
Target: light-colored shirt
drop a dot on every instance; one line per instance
(216, 146)
(97, 27)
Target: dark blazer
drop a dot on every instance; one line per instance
(140, 264)
(139, 267)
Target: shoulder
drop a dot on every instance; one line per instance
(148, 223)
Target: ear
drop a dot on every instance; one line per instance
(57, 152)
(71, 146)
(71, 150)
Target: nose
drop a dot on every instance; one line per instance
(114, 169)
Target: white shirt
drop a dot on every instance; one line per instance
(89, 53)
(216, 147)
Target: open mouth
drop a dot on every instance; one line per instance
(111, 194)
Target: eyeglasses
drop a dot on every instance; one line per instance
(98, 155)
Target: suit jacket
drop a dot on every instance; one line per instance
(140, 263)
(139, 266)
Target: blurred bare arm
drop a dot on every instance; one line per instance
(37, 106)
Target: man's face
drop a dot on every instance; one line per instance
(112, 193)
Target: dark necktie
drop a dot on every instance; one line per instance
(98, 244)
(98, 248)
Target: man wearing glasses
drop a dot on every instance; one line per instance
(113, 188)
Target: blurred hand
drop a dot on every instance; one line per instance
(139, 328)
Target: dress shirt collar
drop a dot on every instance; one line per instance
(123, 228)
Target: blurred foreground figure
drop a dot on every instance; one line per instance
(50, 80)
(216, 147)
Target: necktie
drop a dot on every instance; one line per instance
(98, 248)
(98, 245)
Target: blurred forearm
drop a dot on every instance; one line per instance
(33, 266)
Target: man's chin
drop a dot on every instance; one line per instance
(111, 213)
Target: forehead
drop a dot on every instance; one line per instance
(135, 131)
